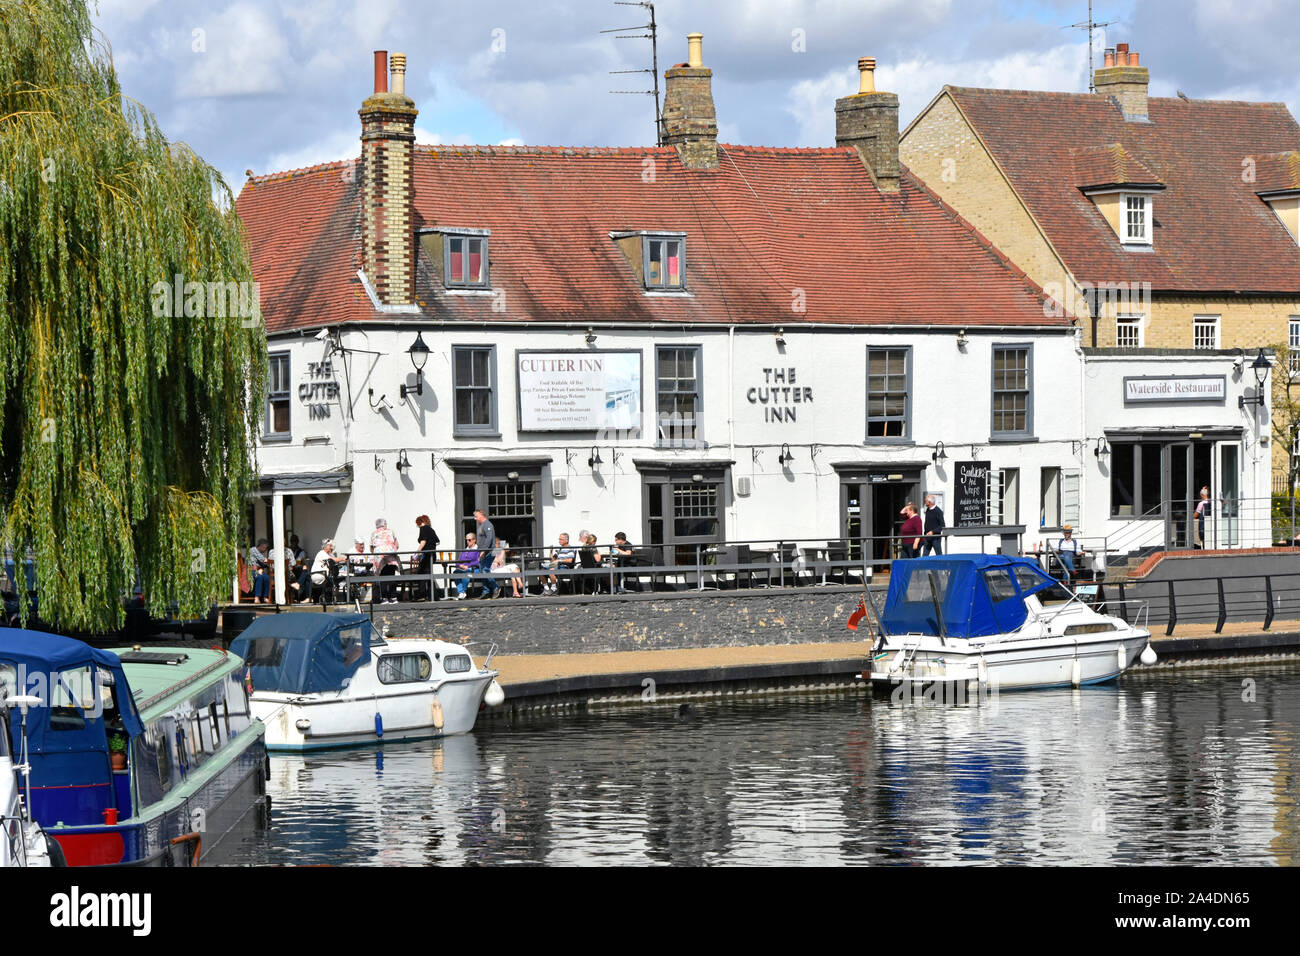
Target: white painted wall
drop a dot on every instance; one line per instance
(951, 403)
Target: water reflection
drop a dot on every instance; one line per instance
(1177, 768)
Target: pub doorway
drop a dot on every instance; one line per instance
(869, 510)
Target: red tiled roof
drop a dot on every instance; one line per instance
(1278, 173)
(1212, 232)
(765, 224)
(1111, 165)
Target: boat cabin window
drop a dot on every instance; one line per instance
(350, 639)
(918, 590)
(164, 753)
(216, 725)
(456, 663)
(73, 698)
(404, 668)
(999, 585)
(266, 651)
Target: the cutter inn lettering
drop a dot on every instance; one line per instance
(1174, 389)
(560, 365)
(779, 394)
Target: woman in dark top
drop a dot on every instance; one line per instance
(913, 530)
(428, 545)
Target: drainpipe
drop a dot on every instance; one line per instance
(1083, 426)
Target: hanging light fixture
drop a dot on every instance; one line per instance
(940, 455)
(403, 462)
(594, 460)
(1102, 449)
(1261, 367)
(785, 457)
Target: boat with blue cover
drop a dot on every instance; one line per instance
(325, 680)
(977, 622)
(139, 756)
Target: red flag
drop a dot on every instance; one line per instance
(248, 681)
(858, 614)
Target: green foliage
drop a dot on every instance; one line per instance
(125, 438)
(1286, 405)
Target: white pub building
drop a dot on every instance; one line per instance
(699, 343)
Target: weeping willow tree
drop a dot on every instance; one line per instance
(126, 414)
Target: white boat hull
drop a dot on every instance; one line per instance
(1007, 664)
(321, 721)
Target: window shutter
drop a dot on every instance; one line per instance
(1070, 497)
(995, 497)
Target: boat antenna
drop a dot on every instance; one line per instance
(651, 34)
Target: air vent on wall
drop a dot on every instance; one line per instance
(559, 488)
(744, 486)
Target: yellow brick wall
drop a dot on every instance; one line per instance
(943, 151)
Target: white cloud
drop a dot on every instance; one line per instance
(917, 81)
(244, 53)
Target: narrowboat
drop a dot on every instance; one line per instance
(975, 623)
(328, 680)
(139, 756)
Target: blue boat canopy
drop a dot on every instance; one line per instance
(304, 653)
(978, 595)
(66, 674)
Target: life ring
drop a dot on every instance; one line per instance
(436, 713)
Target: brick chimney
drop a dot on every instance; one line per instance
(868, 120)
(690, 119)
(387, 166)
(1125, 80)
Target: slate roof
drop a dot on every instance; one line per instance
(1212, 231)
(763, 226)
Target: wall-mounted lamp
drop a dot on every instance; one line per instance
(1261, 367)
(594, 459)
(697, 478)
(780, 338)
(940, 454)
(403, 462)
(419, 353)
(1102, 449)
(785, 457)
(380, 405)
(591, 336)
(512, 476)
(961, 339)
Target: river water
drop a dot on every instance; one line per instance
(1179, 766)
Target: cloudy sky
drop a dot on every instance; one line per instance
(275, 84)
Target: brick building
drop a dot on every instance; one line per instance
(1161, 223)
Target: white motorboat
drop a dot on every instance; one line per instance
(24, 842)
(975, 624)
(328, 680)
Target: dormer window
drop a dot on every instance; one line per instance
(1137, 220)
(665, 262)
(466, 261)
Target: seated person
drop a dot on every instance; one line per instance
(507, 563)
(467, 562)
(1069, 551)
(591, 559)
(259, 566)
(321, 570)
(624, 555)
(563, 558)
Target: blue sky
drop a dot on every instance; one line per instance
(276, 85)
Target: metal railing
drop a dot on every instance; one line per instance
(1230, 523)
(1240, 598)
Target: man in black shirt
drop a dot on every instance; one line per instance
(934, 525)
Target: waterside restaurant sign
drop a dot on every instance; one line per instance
(1189, 388)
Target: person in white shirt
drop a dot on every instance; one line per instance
(1069, 551)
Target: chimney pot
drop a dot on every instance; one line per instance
(695, 49)
(1121, 47)
(867, 74)
(1133, 60)
(399, 73)
(381, 71)
(1125, 80)
(1110, 57)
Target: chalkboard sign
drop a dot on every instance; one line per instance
(971, 501)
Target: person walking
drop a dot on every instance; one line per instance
(423, 561)
(487, 541)
(1202, 509)
(913, 531)
(934, 526)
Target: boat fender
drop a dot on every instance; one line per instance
(1122, 657)
(379, 725)
(1148, 655)
(495, 695)
(983, 672)
(437, 714)
(1076, 673)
